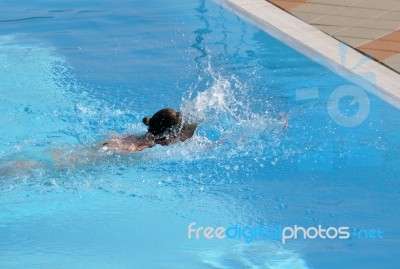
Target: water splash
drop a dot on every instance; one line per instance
(225, 115)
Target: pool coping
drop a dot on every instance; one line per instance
(321, 47)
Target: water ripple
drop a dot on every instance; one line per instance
(28, 18)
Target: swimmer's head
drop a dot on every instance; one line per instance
(166, 122)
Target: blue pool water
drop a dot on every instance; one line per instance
(72, 73)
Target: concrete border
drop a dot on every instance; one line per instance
(320, 47)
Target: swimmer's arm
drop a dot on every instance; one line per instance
(142, 143)
(187, 131)
(128, 144)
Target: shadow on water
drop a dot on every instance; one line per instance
(202, 32)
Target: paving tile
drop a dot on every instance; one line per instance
(305, 16)
(359, 12)
(359, 32)
(376, 4)
(395, 36)
(288, 4)
(335, 2)
(329, 29)
(382, 45)
(393, 15)
(394, 59)
(338, 20)
(352, 42)
(379, 54)
(395, 66)
(380, 24)
(317, 8)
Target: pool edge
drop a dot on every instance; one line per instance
(314, 43)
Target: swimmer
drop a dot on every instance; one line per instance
(165, 127)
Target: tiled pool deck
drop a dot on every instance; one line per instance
(370, 26)
(327, 50)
